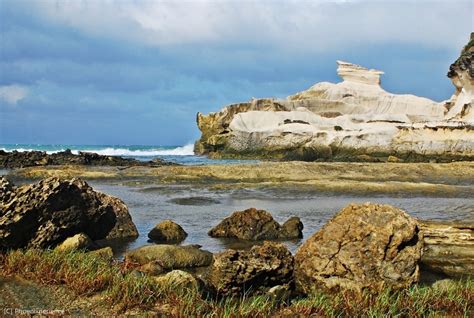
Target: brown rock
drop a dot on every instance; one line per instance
(44, 214)
(167, 232)
(448, 248)
(256, 270)
(363, 246)
(253, 225)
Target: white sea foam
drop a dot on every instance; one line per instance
(187, 150)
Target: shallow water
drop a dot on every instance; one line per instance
(198, 209)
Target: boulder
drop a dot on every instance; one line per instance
(167, 232)
(44, 214)
(77, 242)
(448, 248)
(253, 225)
(363, 246)
(6, 189)
(178, 280)
(170, 256)
(256, 270)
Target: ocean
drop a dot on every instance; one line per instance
(178, 154)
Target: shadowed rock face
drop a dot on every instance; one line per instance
(254, 225)
(256, 270)
(348, 121)
(44, 214)
(363, 246)
(16, 159)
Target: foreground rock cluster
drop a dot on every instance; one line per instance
(44, 214)
(20, 159)
(354, 120)
(367, 246)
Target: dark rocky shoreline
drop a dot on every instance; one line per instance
(21, 159)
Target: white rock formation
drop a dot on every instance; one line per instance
(344, 120)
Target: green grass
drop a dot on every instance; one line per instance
(88, 274)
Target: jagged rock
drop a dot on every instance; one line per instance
(448, 248)
(345, 120)
(6, 189)
(19, 159)
(167, 232)
(364, 246)
(44, 214)
(253, 225)
(170, 256)
(256, 270)
(76, 242)
(178, 280)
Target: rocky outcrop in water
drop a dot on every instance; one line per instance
(364, 246)
(253, 271)
(254, 225)
(167, 232)
(20, 159)
(354, 120)
(44, 214)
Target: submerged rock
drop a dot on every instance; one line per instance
(256, 270)
(364, 246)
(44, 214)
(167, 232)
(350, 120)
(253, 225)
(170, 256)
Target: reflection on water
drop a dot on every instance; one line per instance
(198, 209)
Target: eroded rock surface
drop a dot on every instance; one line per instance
(347, 121)
(253, 271)
(44, 214)
(167, 232)
(363, 246)
(254, 225)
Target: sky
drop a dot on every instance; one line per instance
(129, 72)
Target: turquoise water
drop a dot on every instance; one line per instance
(179, 154)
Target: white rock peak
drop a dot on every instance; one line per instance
(355, 73)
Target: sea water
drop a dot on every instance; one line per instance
(178, 154)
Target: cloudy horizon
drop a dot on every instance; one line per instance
(137, 72)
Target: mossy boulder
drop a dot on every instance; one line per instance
(167, 232)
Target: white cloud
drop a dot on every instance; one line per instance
(12, 94)
(292, 24)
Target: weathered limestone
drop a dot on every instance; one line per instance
(346, 121)
(364, 246)
(448, 248)
(167, 232)
(254, 225)
(253, 271)
(44, 214)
